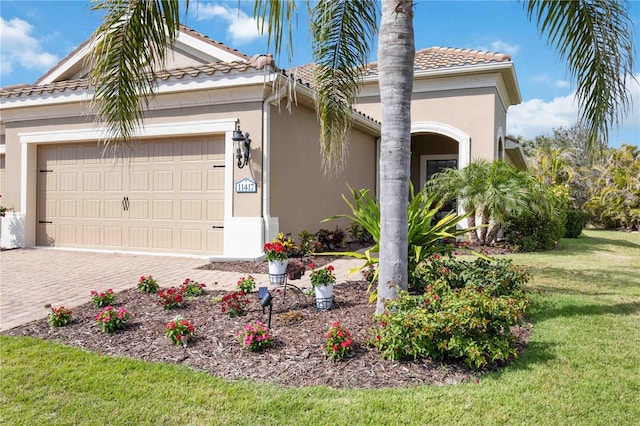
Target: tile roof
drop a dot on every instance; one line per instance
(431, 58)
(183, 28)
(256, 62)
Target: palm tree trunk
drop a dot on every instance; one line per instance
(483, 230)
(396, 51)
(493, 233)
(473, 234)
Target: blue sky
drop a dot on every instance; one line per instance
(35, 35)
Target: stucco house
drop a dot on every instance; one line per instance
(181, 190)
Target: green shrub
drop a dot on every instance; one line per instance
(331, 240)
(576, 221)
(496, 277)
(463, 323)
(545, 227)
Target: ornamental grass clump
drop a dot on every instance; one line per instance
(111, 319)
(59, 317)
(148, 284)
(255, 337)
(170, 298)
(338, 342)
(191, 288)
(103, 298)
(179, 331)
(234, 304)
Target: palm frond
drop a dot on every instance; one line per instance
(343, 32)
(129, 45)
(275, 17)
(596, 38)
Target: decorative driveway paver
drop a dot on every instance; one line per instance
(33, 278)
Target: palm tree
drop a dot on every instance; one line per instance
(491, 192)
(593, 36)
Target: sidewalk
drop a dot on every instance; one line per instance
(31, 279)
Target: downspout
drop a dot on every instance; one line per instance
(266, 172)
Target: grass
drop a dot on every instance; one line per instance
(581, 367)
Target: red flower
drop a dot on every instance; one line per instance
(312, 265)
(330, 268)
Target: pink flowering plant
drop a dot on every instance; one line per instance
(338, 342)
(170, 298)
(111, 319)
(102, 298)
(255, 337)
(234, 304)
(191, 288)
(179, 331)
(322, 277)
(147, 284)
(246, 284)
(59, 317)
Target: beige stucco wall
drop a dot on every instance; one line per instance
(301, 194)
(478, 112)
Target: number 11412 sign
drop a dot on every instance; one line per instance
(246, 185)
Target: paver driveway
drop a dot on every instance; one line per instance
(33, 278)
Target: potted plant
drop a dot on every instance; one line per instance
(277, 254)
(322, 281)
(295, 270)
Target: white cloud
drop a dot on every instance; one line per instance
(504, 47)
(500, 47)
(241, 27)
(562, 84)
(20, 49)
(536, 117)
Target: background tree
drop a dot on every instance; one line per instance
(594, 37)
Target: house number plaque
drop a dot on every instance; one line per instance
(246, 185)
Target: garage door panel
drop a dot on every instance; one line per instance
(162, 238)
(91, 181)
(139, 181)
(91, 235)
(113, 181)
(139, 209)
(167, 198)
(68, 155)
(67, 234)
(91, 209)
(113, 236)
(191, 180)
(162, 180)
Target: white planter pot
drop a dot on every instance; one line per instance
(324, 296)
(278, 267)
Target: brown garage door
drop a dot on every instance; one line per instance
(169, 197)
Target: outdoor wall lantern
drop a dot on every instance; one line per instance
(241, 145)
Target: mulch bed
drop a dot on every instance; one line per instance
(296, 358)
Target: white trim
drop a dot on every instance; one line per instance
(30, 140)
(463, 139)
(171, 85)
(195, 45)
(73, 61)
(152, 130)
(3, 149)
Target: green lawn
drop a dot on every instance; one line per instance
(582, 367)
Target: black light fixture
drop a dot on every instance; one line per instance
(241, 144)
(265, 300)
